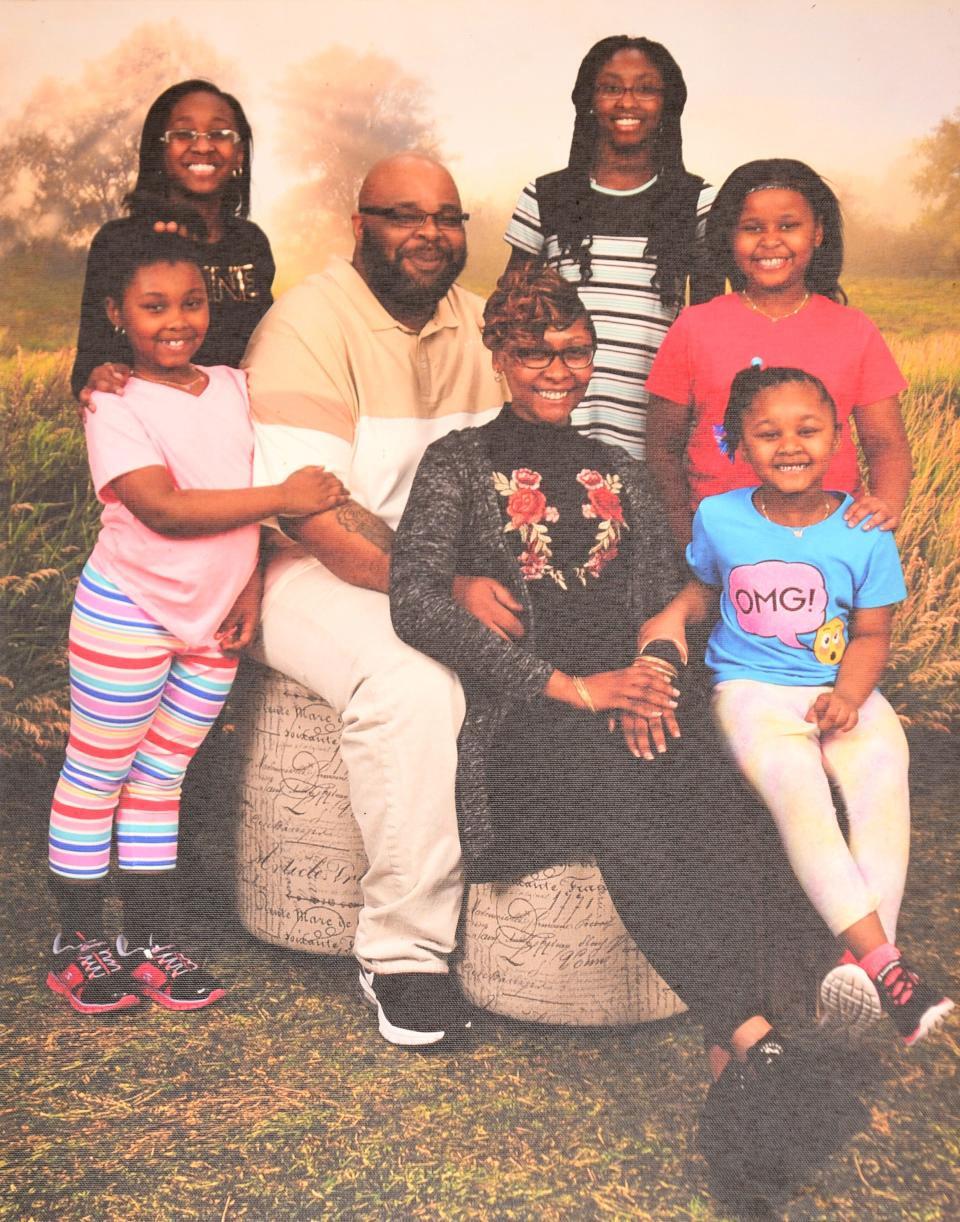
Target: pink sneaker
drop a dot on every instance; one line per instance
(848, 997)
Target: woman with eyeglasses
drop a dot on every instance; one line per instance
(194, 176)
(576, 743)
(622, 222)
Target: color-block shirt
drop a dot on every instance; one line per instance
(786, 595)
(335, 380)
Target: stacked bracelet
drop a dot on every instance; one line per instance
(660, 664)
(581, 689)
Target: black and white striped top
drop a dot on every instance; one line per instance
(627, 312)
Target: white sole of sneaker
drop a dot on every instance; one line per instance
(930, 1021)
(401, 1036)
(848, 997)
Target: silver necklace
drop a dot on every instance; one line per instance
(797, 530)
(779, 317)
(177, 385)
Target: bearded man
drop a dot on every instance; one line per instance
(358, 369)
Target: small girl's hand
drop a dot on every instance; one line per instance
(110, 378)
(240, 623)
(310, 490)
(830, 712)
(872, 511)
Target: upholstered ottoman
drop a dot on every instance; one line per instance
(549, 948)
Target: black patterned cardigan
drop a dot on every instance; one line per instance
(453, 525)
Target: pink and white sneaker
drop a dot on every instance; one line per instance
(848, 997)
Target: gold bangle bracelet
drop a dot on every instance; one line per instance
(581, 689)
(661, 664)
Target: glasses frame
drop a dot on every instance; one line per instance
(188, 135)
(515, 353)
(406, 221)
(643, 93)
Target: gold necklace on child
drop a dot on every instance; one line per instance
(797, 530)
(177, 385)
(779, 317)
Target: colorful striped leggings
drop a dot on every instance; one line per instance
(141, 703)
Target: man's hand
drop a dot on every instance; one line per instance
(491, 603)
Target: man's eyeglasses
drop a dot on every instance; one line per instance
(540, 358)
(413, 218)
(643, 93)
(186, 135)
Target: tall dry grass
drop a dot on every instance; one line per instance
(923, 680)
(49, 523)
(50, 519)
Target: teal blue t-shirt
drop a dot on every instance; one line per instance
(786, 595)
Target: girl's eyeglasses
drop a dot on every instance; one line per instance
(186, 135)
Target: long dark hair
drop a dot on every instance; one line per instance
(823, 273)
(152, 183)
(671, 236)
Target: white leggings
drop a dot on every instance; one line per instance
(787, 762)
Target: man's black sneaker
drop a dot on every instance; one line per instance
(169, 977)
(85, 972)
(415, 1009)
(915, 1006)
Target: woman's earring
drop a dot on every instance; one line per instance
(236, 172)
(118, 330)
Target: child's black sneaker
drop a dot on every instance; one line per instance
(915, 1006)
(85, 972)
(169, 977)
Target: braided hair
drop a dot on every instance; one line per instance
(672, 232)
(751, 382)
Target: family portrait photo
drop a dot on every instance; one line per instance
(480, 610)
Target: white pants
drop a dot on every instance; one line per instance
(787, 762)
(401, 713)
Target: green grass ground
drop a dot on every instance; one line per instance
(284, 1103)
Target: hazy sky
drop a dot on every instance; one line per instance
(844, 84)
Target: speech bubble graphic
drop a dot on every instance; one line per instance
(779, 599)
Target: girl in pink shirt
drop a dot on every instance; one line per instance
(775, 232)
(168, 597)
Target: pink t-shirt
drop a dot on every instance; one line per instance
(709, 344)
(204, 441)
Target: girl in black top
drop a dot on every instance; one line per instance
(195, 153)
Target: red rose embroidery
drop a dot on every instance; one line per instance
(526, 505)
(590, 479)
(525, 478)
(606, 504)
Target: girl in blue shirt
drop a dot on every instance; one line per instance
(806, 607)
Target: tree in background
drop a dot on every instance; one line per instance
(68, 160)
(938, 181)
(340, 112)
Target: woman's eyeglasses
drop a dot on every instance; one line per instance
(541, 358)
(186, 135)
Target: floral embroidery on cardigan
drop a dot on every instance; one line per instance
(528, 510)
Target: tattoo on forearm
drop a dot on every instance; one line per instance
(359, 521)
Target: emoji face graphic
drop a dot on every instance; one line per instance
(829, 643)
